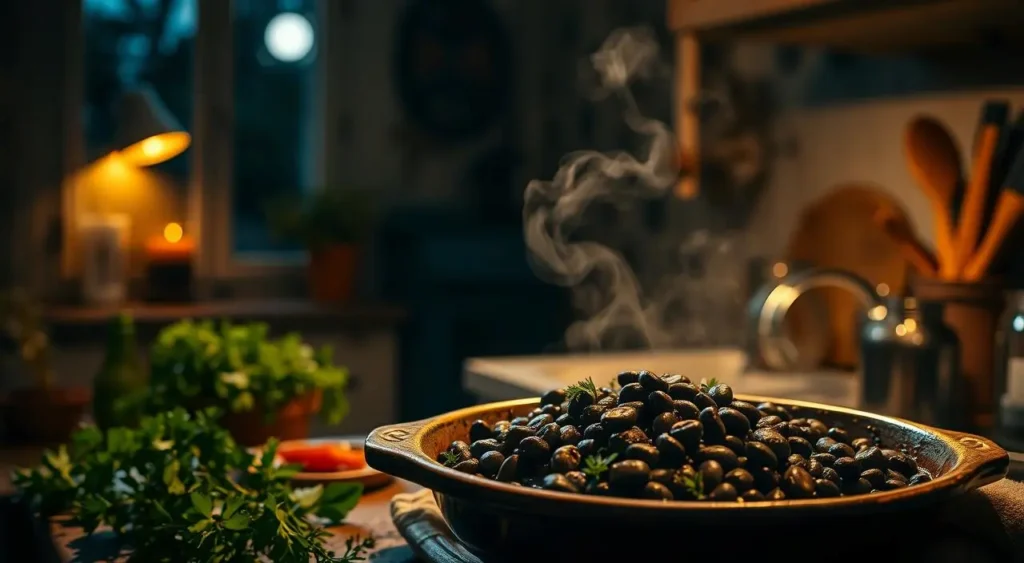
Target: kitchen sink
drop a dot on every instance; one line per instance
(502, 378)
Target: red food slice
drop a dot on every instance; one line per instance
(319, 458)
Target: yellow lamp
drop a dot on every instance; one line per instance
(147, 132)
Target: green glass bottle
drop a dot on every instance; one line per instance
(122, 380)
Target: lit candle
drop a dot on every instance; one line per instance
(169, 265)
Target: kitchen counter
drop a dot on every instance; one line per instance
(514, 377)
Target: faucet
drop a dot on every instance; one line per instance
(770, 305)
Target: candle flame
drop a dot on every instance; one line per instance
(173, 232)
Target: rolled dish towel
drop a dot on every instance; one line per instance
(983, 526)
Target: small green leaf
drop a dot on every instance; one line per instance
(202, 503)
(307, 497)
(232, 505)
(338, 500)
(239, 521)
(200, 525)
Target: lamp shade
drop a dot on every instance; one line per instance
(147, 132)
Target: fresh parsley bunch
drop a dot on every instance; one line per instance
(179, 489)
(240, 367)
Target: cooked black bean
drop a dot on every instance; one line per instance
(855, 487)
(619, 418)
(644, 452)
(768, 421)
(587, 448)
(740, 478)
(540, 420)
(686, 410)
(618, 443)
(735, 444)
(847, 468)
(825, 459)
(704, 401)
(831, 475)
(551, 434)
(894, 475)
(753, 495)
(862, 443)
(711, 474)
(815, 468)
(761, 455)
(797, 460)
(533, 449)
(632, 392)
(656, 491)
(800, 446)
(723, 493)
(592, 414)
(889, 485)
(714, 428)
(569, 435)
(774, 440)
(671, 452)
(469, 466)
(652, 382)
(824, 488)
(559, 482)
(565, 420)
(565, 459)
(773, 409)
(874, 476)
(498, 429)
(689, 433)
(721, 454)
(663, 423)
(461, 450)
(480, 430)
(579, 402)
(722, 394)
(901, 463)
(839, 435)
(516, 434)
(824, 444)
(478, 448)
(798, 483)
(920, 478)
(629, 474)
(683, 391)
(840, 449)
(490, 463)
(509, 470)
(871, 458)
(596, 432)
(736, 424)
(626, 377)
(750, 411)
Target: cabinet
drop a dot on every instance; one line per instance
(867, 26)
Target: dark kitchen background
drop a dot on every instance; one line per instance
(442, 111)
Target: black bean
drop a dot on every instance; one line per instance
(890, 485)
(902, 464)
(892, 475)
(651, 382)
(741, 479)
(516, 434)
(831, 475)
(798, 483)
(723, 493)
(773, 409)
(683, 391)
(753, 495)
(839, 435)
(673, 378)
(478, 448)
(761, 455)
(711, 474)
(500, 428)
(825, 459)
(479, 430)
(644, 452)
(796, 459)
(656, 491)
(509, 470)
(817, 428)
(824, 444)
(688, 433)
(840, 449)
(775, 494)
(587, 448)
(608, 401)
(565, 420)
(855, 487)
(553, 410)
(714, 428)
(815, 468)
(469, 466)
(862, 443)
(774, 440)
(592, 414)
(553, 397)
(618, 443)
(671, 452)
(599, 488)
(873, 476)
(565, 459)
(579, 402)
(577, 478)
(629, 474)
(704, 401)
(679, 484)
(823, 488)
(461, 450)
(725, 457)
(663, 423)
(534, 450)
(722, 394)
(569, 435)
(551, 434)
(735, 423)
(871, 458)
(736, 445)
(663, 476)
(540, 420)
(490, 463)
(626, 377)
(797, 431)
(596, 432)
(847, 468)
(559, 482)
(659, 402)
(535, 412)
(750, 411)
(800, 446)
(686, 410)
(619, 418)
(768, 421)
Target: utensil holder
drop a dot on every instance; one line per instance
(972, 310)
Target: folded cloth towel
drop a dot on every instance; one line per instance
(982, 526)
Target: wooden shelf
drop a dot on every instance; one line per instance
(854, 25)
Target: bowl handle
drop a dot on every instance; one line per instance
(390, 448)
(984, 461)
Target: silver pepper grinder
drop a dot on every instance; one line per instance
(909, 362)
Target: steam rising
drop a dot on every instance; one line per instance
(553, 209)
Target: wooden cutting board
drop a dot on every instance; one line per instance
(837, 231)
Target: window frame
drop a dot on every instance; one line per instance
(209, 187)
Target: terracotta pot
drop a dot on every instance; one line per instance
(332, 272)
(972, 311)
(251, 428)
(38, 416)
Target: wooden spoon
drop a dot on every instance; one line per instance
(1008, 211)
(934, 161)
(899, 229)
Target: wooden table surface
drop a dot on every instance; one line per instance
(371, 516)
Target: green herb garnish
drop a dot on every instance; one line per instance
(179, 484)
(356, 548)
(585, 386)
(450, 458)
(595, 465)
(706, 384)
(693, 483)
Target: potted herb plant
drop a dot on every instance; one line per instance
(333, 225)
(266, 387)
(41, 412)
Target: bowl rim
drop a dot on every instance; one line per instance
(398, 449)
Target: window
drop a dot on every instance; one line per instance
(244, 78)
